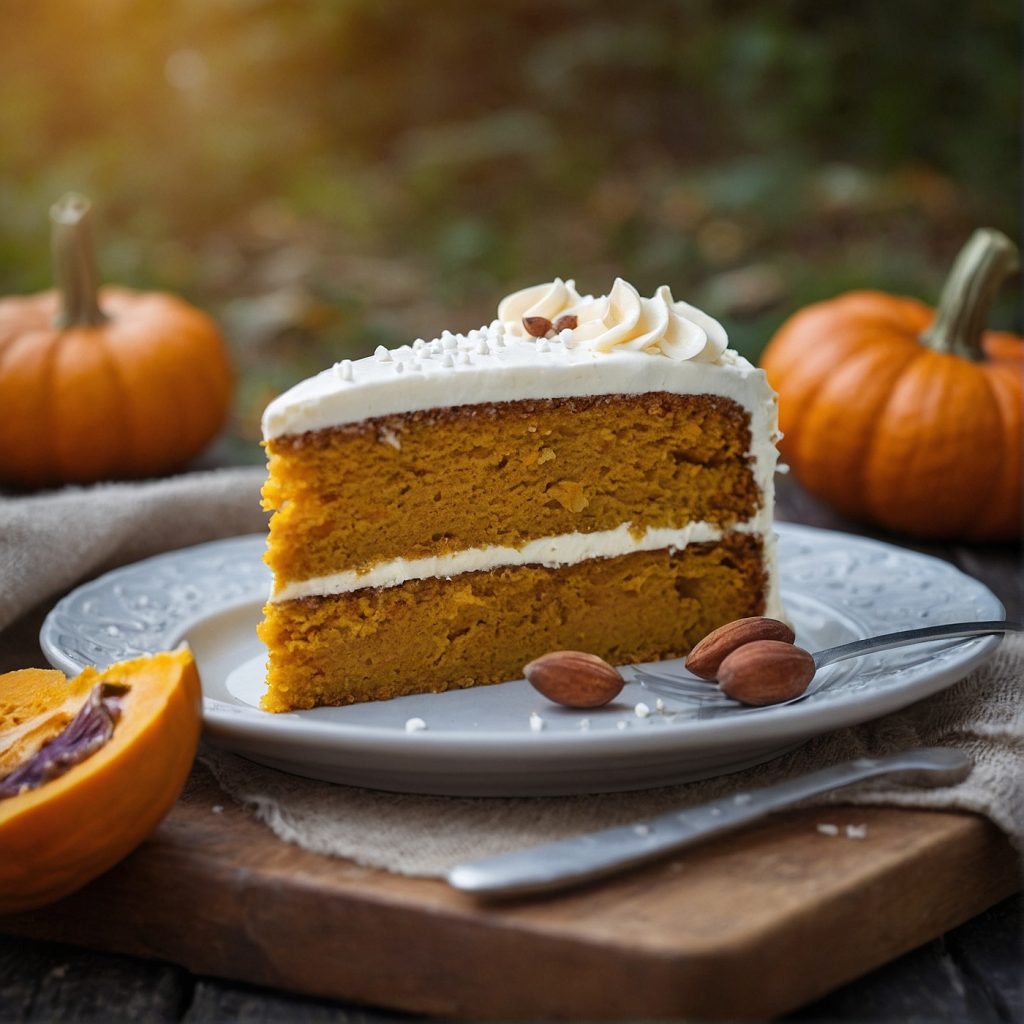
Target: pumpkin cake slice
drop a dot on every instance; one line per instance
(591, 474)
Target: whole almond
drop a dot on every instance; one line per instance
(575, 679)
(766, 672)
(538, 326)
(566, 322)
(707, 655)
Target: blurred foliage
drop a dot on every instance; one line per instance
(325, 176)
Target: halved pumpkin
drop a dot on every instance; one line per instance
(58, 834)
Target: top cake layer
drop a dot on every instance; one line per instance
(362, 455)
(620, 344)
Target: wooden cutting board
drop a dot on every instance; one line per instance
(749, 926)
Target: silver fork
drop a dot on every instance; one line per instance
(713, 701)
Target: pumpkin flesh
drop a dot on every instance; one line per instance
(69, 830)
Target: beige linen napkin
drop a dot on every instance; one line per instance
(49, 542)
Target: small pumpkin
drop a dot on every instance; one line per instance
(905, 416)
(88, 767)
(103, 384)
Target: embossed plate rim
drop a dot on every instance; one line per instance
(927, 671)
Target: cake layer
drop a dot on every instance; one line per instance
(435, 634)
(438, 481)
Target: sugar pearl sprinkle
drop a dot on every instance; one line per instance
(415, 725)
(382, 355)
(536, 722)
(641, 710)
(828, 830)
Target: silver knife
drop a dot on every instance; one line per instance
(568, 862)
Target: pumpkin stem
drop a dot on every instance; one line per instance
(982, 266)
(74, 263)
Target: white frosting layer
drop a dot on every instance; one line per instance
(567, 549)
(493, 365)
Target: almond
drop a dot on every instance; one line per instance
(766, 672)
(566, 322)
(575, 679)
(707, 655)
(538, 326)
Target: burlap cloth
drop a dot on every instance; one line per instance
(50, 542)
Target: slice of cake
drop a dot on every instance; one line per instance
(586, 474)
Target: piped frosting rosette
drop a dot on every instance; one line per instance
(620, 320)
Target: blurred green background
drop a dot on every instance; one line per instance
(327, 176)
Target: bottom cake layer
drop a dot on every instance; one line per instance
(482, 627)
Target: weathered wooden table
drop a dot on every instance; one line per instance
(971, 974)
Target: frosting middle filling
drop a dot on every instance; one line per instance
(551, 552)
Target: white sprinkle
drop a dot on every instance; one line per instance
(543, 346)
(565, 336)
(436, 348)
(388, 436)
(217, 808)
(742, 798)
(584, 725)
(415, 365)
(856, 831)
(418, 345)
(622, 724)
(344, 369)
(449, 344)
(828, 830)
(497, 325)
(382, 355)
(536, 722)
(415, 725)
(642, 829)
(716, 812)
(464, 359)
(641, 710)
(446, 361)
(781, 468)
(659, 706)
(399, 367)
(498, 340)
(447, 336)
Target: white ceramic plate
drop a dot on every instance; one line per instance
(479, 742)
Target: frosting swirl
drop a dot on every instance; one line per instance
(622, 320)
(547, 300)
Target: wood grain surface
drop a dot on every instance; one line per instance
(749, 926)
(752, 925)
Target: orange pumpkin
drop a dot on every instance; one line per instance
(101, 385)
(904, 416)
(68, 830)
